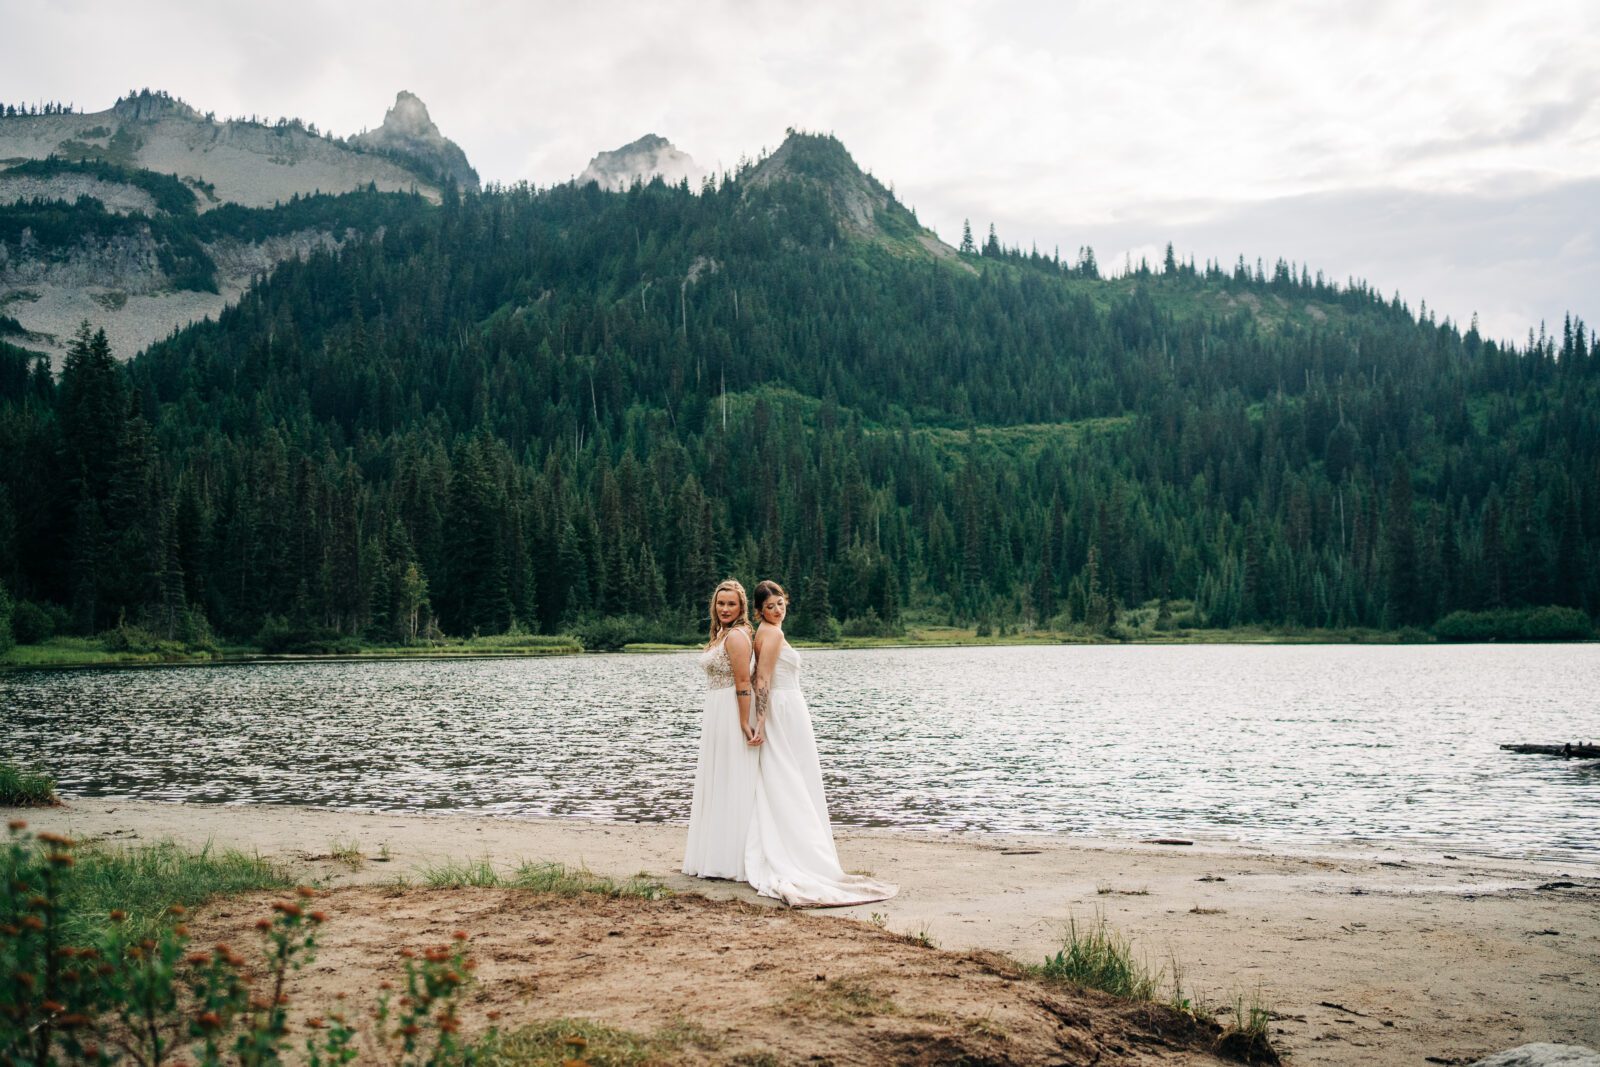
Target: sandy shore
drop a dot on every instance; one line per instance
(1365, 955)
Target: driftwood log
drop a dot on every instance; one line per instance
(1568, 750)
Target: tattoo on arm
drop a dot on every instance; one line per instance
(763, 699)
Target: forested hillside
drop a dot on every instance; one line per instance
(549, 408)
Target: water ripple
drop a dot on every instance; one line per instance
(1266, 743)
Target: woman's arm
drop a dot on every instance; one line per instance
(737, 644)
(769, 642)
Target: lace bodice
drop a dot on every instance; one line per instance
(786, 672)
(719, 670)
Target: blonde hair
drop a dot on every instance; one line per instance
(717, 629)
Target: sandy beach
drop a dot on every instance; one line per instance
(1364, 954)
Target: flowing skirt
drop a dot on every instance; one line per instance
(790, 853)
(724, 790)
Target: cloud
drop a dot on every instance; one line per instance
(1515, 258)
(1050, 118)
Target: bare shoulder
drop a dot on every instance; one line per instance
(768, 635)
(738, 640)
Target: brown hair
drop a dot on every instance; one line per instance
(717, 628)
(765, 591)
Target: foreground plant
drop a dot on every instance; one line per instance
(144, 996)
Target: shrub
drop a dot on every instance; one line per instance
(610, 633)
(143, 993)
(607, 633)
(32, 623)
(870, 625)
(278, 635)
(127, 637)
(1520, 624)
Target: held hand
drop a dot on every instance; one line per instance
(753, 738)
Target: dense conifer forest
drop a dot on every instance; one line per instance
(572, 410)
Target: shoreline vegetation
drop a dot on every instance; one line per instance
(131, 646)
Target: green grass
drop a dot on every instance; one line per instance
(555, 878)
(20, 787)
(94, 652)
(1098, 957)
(558, 1041)
(549, 643)
(146, 880)
(90, 652)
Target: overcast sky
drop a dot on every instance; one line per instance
(1450, 149)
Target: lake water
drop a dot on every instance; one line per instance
(1266, 744)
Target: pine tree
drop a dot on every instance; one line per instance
(1402, 589)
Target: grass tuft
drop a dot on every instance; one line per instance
(840, 999)
(146, 880)
(20, 788)
(1247, 1038)
(555, 878)
(1098, 957)
(560, 1041)
(348, 853)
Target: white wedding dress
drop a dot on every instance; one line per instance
(789, 852)
(724, 780)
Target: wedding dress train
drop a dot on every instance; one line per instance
(789, 852)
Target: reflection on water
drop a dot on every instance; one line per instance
(1263, 743)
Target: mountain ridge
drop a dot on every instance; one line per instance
(515, 411)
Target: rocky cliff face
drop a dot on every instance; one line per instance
(118, 285)
(640, 161)
(118, 282)
(246, 163)
(409, 135)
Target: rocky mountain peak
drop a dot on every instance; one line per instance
(148, 106)
(409, 118)
(641, 160)
(863, 206)
(408, 133)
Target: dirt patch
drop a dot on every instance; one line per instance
(708, 981)
(1441, 954)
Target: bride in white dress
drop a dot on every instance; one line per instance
(725, 777)
(789, 851)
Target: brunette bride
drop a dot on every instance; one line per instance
(789, 851)
(725, 777)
